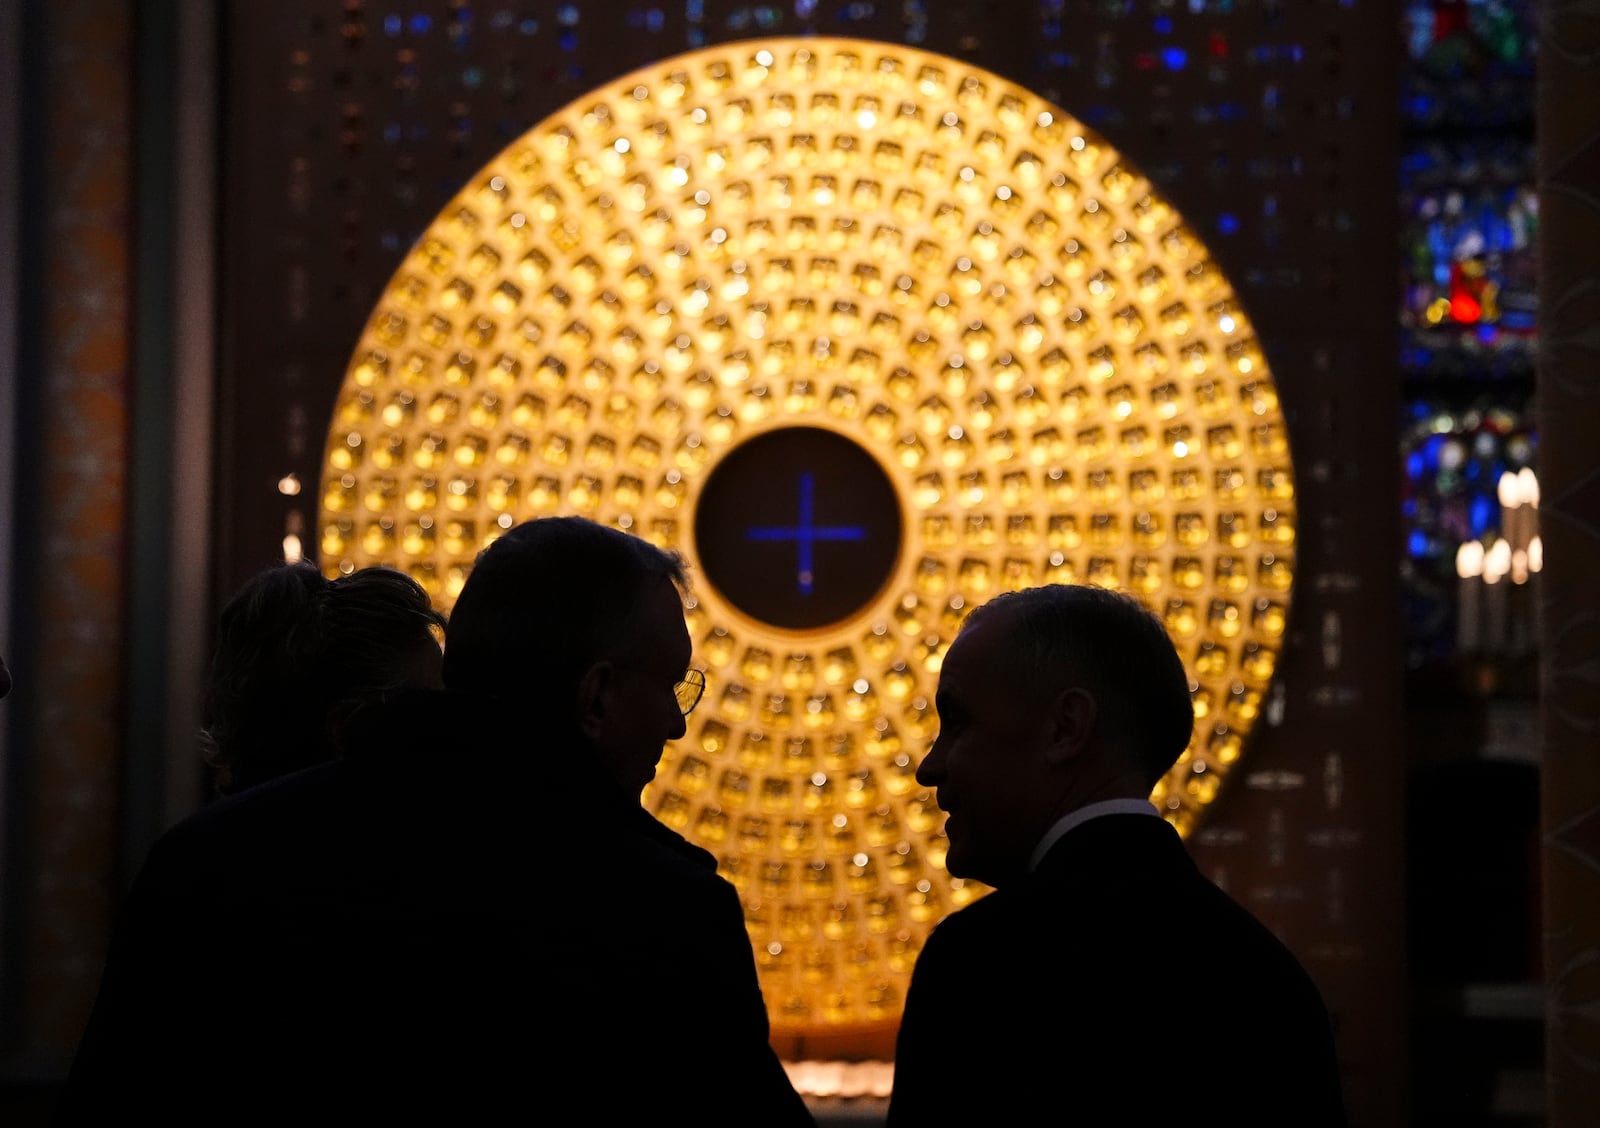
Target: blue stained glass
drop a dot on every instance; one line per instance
(768, 18)
(1482, 515)
(392, 25)
(1420, 410)
(1230, 111)
(528, 27)
(802, 8)
(1487, 333)
(1176, 58)
(420, 23)
(655, 19)
(1163, 25)
(1227, 223)
(1519, 319)
(1430, 453)
(1417, 543)
(569, 41)
(1474, 470)
(567, 15)
(1408, 507)
(1414, 466)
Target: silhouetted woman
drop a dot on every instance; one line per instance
(297, 654)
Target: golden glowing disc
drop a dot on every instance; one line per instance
(906, 251)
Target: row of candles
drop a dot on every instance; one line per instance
(1497, 599)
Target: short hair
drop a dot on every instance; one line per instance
(544, 601)
(295, 653)
(1112, 645)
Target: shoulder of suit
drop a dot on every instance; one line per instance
(675, 845)
(974, 922)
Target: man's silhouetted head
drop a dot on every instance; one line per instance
(1050, 699)
(579, 626)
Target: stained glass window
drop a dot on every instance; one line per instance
(1468, 316)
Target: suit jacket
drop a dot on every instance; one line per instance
(1115, 984)
(450, 921)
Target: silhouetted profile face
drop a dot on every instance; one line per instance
(632, 707)
(989, 761)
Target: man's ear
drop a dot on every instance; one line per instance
(595, 696)
(1071, 718)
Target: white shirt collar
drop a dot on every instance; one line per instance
(1084, 814)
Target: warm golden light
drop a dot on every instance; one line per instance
(917, 255)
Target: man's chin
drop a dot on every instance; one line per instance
(644, 780)
(955, 861)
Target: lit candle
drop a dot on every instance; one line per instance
(1509, 491)
(1521, 610)
(1535, 566)
(1496, 565)
(1528, 483)
(1469, 567)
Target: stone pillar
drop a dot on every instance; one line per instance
(1569, 607)
(62, 773)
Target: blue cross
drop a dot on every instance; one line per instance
(806, 534)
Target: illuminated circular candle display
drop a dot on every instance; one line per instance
(957, 345)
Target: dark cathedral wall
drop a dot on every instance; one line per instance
(345, 126)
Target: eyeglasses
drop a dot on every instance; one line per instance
(688, 690)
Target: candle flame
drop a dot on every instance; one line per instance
(1509, 490)
(1528, 483)
(1497, 562)
(1469, 559)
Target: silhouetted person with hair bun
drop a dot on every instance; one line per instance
(297, 654)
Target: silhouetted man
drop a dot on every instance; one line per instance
(1105, 980)
(470, 915)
